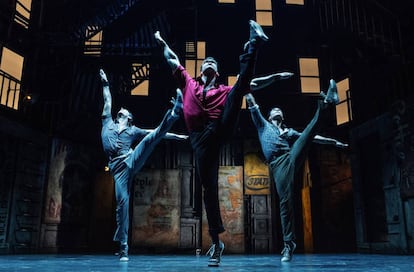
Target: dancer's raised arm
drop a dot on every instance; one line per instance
(106, 94)
(170, 56)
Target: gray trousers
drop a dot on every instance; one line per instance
(124, 170)
(283, 169)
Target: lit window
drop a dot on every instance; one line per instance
(11, 67)
(231, 81)
(140, 79)
(9, 91)
(309, 75)
(227, 1)
(190, 66)
(22, 15)
(11, 63)
(343, 109)
(264, 12)
(295, 2)
(342, 113)
(194, 56)
(93, 45)
(343, 88)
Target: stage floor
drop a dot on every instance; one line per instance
(189, 263)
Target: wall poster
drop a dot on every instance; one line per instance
(156, 209)
(232, 210)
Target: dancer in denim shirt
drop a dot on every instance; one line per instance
(119, 136)
(285, 150)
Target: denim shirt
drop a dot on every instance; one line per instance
(274, 143)
(118, 143)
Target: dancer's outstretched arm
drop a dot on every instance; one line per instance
(330, 141)
(170, 56)
(170, 136)
(106, 94)
(264, 81)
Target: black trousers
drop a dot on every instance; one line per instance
(207, 143)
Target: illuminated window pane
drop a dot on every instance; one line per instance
(16, 98)
(141, 89)
(190, 50)
(263, 5)
(95, 39)
(296, 2)
(190, 66)
(264, 18)
(12, 63)
(5, 89)
(343, 87)
(201, 50)
(342, 113)
(22, 15)
(198, 66)
(139, 78)
(309, 67)
(94, 44)
(24, 8)
(195, 54)
(231, 80)
(227, 1)
(10, 99)
(310, 84)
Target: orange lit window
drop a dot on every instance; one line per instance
(227, 1)
(295, 2)
(309, 75)
(231, 80)
(93, 45)
(264, 12)
(11, 67)
(195, 53)
(140, 79)
(22, 15)
(343, 109)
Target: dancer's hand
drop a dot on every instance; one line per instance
(264, 81)
(103, 76)
(182, 137)
(341, 145)
(159, 39)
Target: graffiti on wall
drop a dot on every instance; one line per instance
(231, 207)
(156, 209)
(256, 175)
(403, 121)
(69, 182)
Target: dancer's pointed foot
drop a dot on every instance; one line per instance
(332, 93)
(257, 34)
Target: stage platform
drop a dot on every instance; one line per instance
(191, 263)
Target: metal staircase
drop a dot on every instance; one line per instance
(141, 42)
(108, 15)
(367, 19)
